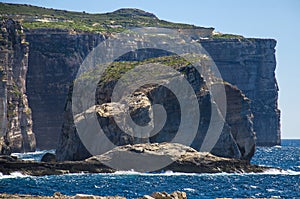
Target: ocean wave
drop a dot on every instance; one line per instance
(166, 173)
(13, 175)
(272, 171)
(33, 153)
(280, 172)
(189, 190)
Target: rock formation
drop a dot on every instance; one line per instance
(180, 157)
(156, 195)
(54, 58)
(250, 65)
(236, 139)
(55, 55)
(15, 114)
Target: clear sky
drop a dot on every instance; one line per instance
(278, 19)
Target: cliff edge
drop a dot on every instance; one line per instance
(41, 55)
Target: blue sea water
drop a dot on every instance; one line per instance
(284, 184)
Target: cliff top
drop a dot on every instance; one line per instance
(33, 17)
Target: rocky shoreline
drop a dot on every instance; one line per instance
(182, 159)
(156, 195)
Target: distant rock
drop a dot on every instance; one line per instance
(177, 157)
(49, 157)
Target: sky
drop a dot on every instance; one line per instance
(277, 19)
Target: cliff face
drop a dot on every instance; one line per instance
(15, 118)
(250, 65)
(236, 140)
(55, 50)
(54, 58)
(59, 54)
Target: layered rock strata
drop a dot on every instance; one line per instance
(250, 65)
(237, 139)
(180, 157)
(15, 114)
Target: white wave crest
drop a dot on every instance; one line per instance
(189, 189)
(281, 172)
(34, 153)
(13, 175)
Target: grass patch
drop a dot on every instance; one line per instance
(226, 36)
(111, 22)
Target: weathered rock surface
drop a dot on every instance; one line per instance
(9, 165)
(237, 139)
(178, 158)
(250, 65)
(181, 158)
(15, 115)
(53, 90)
(56, 54)
(156, 195)
(54, 59)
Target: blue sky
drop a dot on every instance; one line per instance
(278, 19)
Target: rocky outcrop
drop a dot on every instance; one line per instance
(55, 55)
(144, 157)
(252, 61)
(159, 195)
(250, 65)
(237, 139)
(139, 157)
(15, 114)
(156, 195)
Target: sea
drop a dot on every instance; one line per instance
(270, 184)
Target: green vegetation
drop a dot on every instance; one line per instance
(116, 69)
(226, 36)
(15, 90)
(36, 17)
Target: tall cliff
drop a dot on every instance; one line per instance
(58, 42)
(236, 139)
(15, 118)
(250, 65)
(54, 58)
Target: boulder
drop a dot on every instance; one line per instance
(175, 157)
(48, 157)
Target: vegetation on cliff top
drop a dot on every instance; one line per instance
(37, 17)
(116, 69)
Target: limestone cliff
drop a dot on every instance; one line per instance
(54, 58)
(250, 65)
(236, 139)
(15, 118)
(59, 41)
